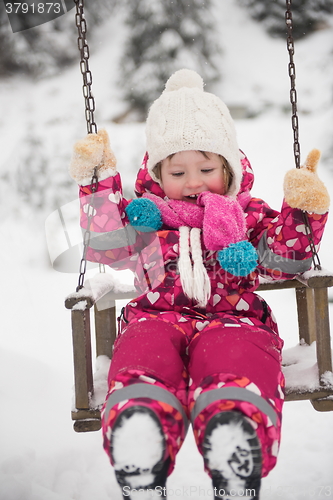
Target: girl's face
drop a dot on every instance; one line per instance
(187, 174)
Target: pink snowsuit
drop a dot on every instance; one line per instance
(187, 362)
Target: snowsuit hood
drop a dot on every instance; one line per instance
(145, 183)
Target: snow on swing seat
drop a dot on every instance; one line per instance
(307, 367)
(300, 368)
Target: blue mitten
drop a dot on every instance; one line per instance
(239, 259)
(144, 215)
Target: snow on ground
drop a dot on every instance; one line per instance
(41, 458)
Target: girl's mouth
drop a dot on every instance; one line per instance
(191, 197)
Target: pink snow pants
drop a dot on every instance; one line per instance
(183, 377)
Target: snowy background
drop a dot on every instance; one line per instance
(41, 457)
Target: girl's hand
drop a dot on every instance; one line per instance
(303, 189)
(92, 151)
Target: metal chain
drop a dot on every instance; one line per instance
(91, 126)
(84, 66)
(87, 233)
(315, 256)
(294, 122)
(292, 75)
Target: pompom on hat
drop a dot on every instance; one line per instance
(186, 118)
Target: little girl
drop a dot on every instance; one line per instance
(197, 344)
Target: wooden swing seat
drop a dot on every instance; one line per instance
(313, 321)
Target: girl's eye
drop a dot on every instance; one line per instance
(207, 170)
(177, 174)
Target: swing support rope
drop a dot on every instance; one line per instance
(294, 122)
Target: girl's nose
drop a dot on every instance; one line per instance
(194, 181)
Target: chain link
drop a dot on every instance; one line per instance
(91, 126)
(294, 121)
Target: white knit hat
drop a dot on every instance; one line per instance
(186, 118)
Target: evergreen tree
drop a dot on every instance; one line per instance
(165, 36)
(308, 15)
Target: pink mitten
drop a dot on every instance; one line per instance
(92, 151)
(225, 230)
(224, 220)
(303, 189)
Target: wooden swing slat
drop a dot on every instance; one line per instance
(90, 413)
(90, 423)
(325, 404)
(324, 354)
(82, 357)
(306, 314)
(105, 329)
(304, 395)
(91, 298)
(314, 281)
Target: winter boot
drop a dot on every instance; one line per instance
(137, 449)
(232, 453)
